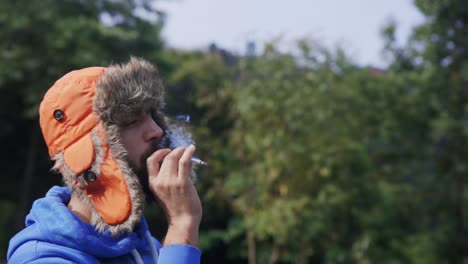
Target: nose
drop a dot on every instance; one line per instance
(152, 130)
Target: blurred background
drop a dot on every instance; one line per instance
(335, 131)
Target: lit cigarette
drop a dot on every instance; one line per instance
(198, 161)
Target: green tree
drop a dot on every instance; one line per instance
(437, 54)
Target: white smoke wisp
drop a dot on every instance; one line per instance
(177, 136)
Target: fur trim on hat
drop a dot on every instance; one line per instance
(123, 92)
(127, 90)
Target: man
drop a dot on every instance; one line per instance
(104, 128)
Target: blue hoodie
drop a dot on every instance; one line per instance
(53, 234)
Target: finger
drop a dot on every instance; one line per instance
(185, 162)
(170, 163)
(153, 161)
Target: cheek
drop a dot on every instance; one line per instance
(132, 153)
(132, 144)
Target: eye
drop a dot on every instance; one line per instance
(134, 120)
(129, 123)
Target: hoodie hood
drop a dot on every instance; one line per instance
(51, 221)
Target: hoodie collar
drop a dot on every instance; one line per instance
(58, 225)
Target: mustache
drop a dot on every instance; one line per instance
(163, 142)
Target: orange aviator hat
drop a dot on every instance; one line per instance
(81, 118)
(68, 121)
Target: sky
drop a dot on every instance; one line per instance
(355, 25)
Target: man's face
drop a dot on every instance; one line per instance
(141, 137)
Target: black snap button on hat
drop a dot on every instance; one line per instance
(58, 115)
(90, 175)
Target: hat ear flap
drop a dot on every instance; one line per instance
(108, 186)
(109, 192)
(115, 194)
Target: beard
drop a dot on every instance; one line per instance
(141, 169)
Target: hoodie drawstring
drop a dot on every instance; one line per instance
(137, 257)
(154, 252)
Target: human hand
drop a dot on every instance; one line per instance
(170, 183)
